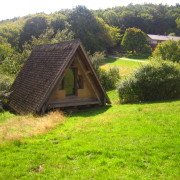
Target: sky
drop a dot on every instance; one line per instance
(17, 8)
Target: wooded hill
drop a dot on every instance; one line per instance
(98, 29)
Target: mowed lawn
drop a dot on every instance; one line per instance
(128, 141)
(125, 66)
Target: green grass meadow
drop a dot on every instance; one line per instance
(127, 141)
(125, 66)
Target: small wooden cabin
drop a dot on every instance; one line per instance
(56, 76)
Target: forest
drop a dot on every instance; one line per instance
(99, 30)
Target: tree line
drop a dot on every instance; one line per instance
(106, 30)
(99, 30)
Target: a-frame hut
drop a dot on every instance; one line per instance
(56, 76)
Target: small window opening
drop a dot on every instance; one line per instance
(80, 82)
(61, 85)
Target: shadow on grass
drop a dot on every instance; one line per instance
(137, 56)
(151, 102)
(93, 111)
(109, 60)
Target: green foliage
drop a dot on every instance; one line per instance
(34, 26)
(11, 31)
(5, 84)
(96, 59)
(50, 37)
(178, 23)
(168, 50)
(5, 51)
(11, 66)
(171, 34)
(137, 56)
(135, 40)
(153, 81)
(146, 50)
(151, 18)
(108, 78)
(111, 18)
(92, 31)
(58, 22)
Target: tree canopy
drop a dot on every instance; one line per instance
(99, 30)
(168, 50)
(135, 40)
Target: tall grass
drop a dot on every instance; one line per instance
(24, 126)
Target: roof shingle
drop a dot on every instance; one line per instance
(38, 75)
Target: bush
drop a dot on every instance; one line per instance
(96, 59)
(153, 81)
(109, 78)
(146, 50)
(5, 84)
(168, 50)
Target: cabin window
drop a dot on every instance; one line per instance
(71, 82)
(61, 86)
(80, 82)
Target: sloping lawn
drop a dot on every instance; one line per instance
(5, 115)
(125, 66)
(132, 141)
(129, 141)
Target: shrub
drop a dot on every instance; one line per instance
(153, 81)
(146, 50)
(5, 84)
(168, 50)
(96, 59)
(109, 78)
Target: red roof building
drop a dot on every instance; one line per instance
(154, 40)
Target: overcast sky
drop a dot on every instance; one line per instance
(16, 8)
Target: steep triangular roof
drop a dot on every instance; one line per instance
(40, 74)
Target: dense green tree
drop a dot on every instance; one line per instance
(134, 40)
(13, 64)
(34, 26)
(151, 18)
(58, 22)
(168, 50)
(87, 25)
(111, 18)
(90, 30)
(11, 31)
(5, 49)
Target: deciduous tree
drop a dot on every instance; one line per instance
(134, 40)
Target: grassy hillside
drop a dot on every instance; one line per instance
(125, 66)
(129, 141)
(132, 141)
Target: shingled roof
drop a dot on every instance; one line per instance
(40, 74)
